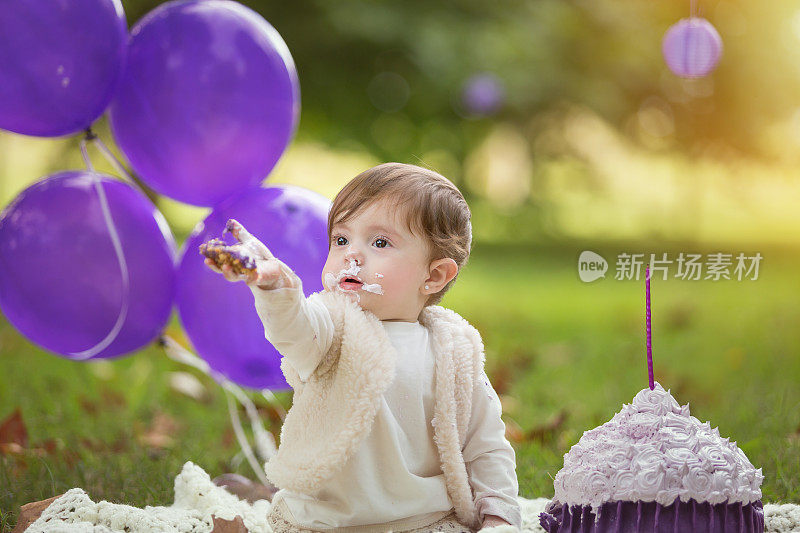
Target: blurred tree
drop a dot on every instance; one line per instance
(387, 77)
(603, 54)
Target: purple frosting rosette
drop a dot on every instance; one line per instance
(654, 467)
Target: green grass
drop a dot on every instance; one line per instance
(729, 348)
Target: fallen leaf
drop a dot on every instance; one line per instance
(92, 445)
(228, 526)
(29, 512)
(794, 436)
(160, 432)
(155, 453)
(14, 439)
(50, 446)
(546, 430)
(70, 457)
(514, 433)
(508, 370)
(121, 444)
(244, 488)
(113, 398)
(88, 405)
(13, 431)
(501, 379)
(228, 438)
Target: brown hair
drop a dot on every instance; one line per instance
(434, 209)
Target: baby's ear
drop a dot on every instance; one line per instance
(442, 271)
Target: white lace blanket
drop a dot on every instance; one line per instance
(197, 498)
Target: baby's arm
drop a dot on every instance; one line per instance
(301, 330)
(490, 459)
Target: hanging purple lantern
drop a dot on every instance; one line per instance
(482, 94)
(692, 47)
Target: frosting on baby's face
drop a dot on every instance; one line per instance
(654, 450)
(374, 257)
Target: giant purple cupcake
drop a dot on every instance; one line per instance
(653, 467)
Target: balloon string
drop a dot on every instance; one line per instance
(123, 265)
(270, 397)
(240, 436)
(265, 442)
(649, 343)
(117, 164)
(85, 155)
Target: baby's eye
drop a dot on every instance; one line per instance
(338, 240)
(380, 240)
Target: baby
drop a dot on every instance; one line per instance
(394, 425)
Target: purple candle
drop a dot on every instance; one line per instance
(649, 343)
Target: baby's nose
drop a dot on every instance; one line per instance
(353, 255)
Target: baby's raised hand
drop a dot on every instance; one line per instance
(248, 260)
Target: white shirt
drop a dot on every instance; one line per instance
(396, 474)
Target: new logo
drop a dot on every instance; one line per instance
(591, 266)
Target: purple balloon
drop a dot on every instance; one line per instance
(60, 63)
(61, 283)
(219, 316)
(208, 102)
(692, 47)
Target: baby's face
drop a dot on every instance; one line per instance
(388, 262)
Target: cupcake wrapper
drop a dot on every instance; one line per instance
(646, 517)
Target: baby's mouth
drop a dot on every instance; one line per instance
(350, 284)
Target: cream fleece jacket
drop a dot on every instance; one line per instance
(330, 436)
